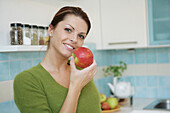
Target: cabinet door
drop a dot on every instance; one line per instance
(123, 24)
(159, 22)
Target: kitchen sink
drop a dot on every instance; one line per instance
(160, 104)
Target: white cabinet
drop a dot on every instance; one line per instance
(123, 24)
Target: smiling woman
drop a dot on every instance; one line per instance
(53, 86)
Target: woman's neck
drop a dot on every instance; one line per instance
(54, 62)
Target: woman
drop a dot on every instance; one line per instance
(53, 86)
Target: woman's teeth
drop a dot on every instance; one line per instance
(69, 47)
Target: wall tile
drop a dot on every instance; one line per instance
(140, 56)
(3, 56)
(91, 46)
(162, 55)
(151, 92)
(140, 92)
(164, 93)
(152, 81)
(42, 55)
(26, 64)
(15, 68)
(4, 73)
(107, 58)
(35, 62)
(164, 81)
(36, 54)
(169, 54)
(151, 56)
(15, 56)
(26, 55)
(5, 107)
(113, 57)
(102, 86)
(145, 86)
(4, 91)
(14, 108)
(98, 58)
(102, 58)
(131, 79)
(120, 56)
(128, 57)
(141, 81)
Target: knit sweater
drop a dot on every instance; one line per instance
(35, 91)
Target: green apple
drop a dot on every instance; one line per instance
(102, 97)
(113, 102)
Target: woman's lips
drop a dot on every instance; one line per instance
(69, 47)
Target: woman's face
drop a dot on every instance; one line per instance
(68, 35)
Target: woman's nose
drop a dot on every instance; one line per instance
(73, 37)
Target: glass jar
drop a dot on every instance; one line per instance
(26, 34)
(34, 35)
(46, 35)
(16, 34)
(41, 35)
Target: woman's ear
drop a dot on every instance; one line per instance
(50, 30)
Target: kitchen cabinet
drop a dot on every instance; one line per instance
(159, 22)
(123, 24)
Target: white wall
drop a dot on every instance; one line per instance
(41, 12)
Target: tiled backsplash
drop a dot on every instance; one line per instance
(151, 82)
(144, 86)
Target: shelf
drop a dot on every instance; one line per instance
(17, 48)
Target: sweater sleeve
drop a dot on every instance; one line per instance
(29, 95)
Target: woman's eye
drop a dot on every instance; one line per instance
(81, 36)
(67, 29)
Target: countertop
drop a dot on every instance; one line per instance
(138, 105)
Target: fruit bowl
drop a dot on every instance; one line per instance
(112, 110)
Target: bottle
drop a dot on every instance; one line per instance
(26, 34)
(41, 35)
(46, 35)
(34, 35)
(16, 34)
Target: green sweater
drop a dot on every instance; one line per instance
(35, 91)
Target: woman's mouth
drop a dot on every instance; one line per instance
(69, 47)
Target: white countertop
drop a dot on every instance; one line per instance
(138, 105)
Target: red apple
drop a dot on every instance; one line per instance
(105, 106)
(83, 57)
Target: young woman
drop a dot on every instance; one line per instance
(53, 86)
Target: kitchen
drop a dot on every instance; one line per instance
(146, 54)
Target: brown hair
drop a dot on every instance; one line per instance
(77, 11)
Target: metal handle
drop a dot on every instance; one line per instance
(119, 43)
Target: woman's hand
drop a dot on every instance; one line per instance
(79, 78)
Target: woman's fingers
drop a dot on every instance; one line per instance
(82, 77)
(72, 64)
(91, 67)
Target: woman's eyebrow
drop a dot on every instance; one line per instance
(71, 26)
(74, 29)
(82, 33)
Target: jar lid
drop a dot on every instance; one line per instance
(41, 27)
(46, 27)
(34, 26)
(26, 25)
(16, 24)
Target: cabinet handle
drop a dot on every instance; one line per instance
(119, 43)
